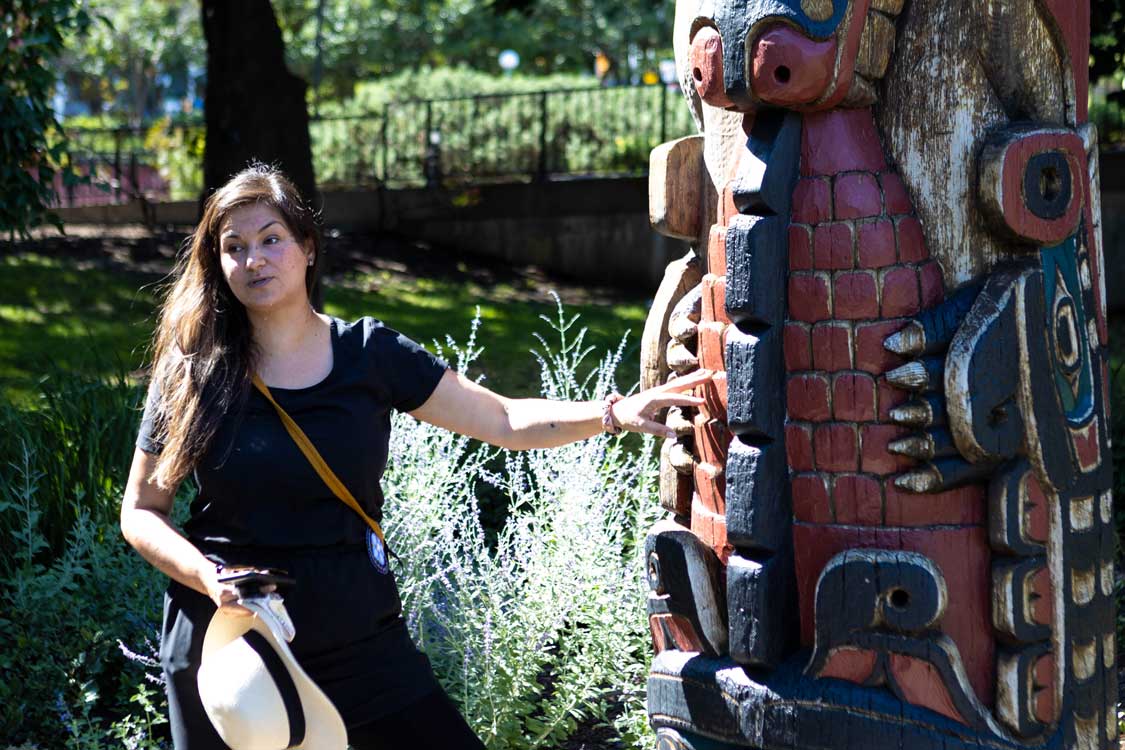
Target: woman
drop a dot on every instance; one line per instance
(239, 306)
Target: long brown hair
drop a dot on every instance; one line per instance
(203, 352)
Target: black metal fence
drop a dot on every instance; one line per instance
(453, 141)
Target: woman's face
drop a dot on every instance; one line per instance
(263, 263)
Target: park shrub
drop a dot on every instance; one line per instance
(76, 441)
(536, 629)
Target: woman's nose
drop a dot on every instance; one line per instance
(254, 256)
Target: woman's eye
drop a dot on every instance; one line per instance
(272, 240)
(234, 248)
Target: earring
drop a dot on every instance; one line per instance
(311, 261)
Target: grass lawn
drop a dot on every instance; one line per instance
(85, 315)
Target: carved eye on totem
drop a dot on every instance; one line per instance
(1068, 347)
(1067, 329)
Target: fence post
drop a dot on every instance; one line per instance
(133, 177)
(117, 164)
(663, 112)
(386, 147)
(542, 175)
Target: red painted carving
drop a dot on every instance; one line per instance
(876, 244)
(853, 397)
(673, 631)
(1013, 163)
(707, 67)
(833, 247)
(851, 664)
(895, 558)
(796, 343)
(1073, 19)
(831, 347)
(717, 250)
(813, 294)
(922, 685)
(837, 141)
(788, 69)
(961, 554)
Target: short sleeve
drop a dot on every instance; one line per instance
(409, 371)
(147, 434)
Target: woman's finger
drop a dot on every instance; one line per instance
(675, 399)
(652, 428)
(686, 382)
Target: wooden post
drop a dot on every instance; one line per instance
(898, 491)
(541, 173)
(117, 164)
(386, 145)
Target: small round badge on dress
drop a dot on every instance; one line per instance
(377, 551)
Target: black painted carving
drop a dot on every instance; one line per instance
(686, 581)
(1047, 185)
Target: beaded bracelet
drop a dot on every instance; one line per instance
(609, 423)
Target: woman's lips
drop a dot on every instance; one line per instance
(256, 283)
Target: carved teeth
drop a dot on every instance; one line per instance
(680, 358)
(907, 342)
(682, 328)
(920, 447)
(911, 376)
(915, 415)
(926, 480)
(681, 459)
(678, 422)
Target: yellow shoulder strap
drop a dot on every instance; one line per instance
(315, 459)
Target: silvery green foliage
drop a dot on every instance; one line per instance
(547, 629)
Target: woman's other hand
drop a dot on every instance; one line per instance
(637, 413)
(226, 596)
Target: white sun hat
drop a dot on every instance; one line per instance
(254, 691)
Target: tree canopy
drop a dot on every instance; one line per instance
(1107, 38)
(136, 55)
(148, 51)
(33, 147)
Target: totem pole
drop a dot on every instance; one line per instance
(891, 523)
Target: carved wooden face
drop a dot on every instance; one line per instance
(806, 55)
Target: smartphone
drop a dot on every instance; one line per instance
(254, 579)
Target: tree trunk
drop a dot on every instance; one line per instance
(255, 108)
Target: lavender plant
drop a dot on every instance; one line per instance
(545, 631)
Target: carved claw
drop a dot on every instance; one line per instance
(909, 341)
(932, 330)
(921, 413)
(925, 446)
(923, 375)
(925, 340)
(927, 479)
(944, 474)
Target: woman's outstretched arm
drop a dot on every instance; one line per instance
(462, 406)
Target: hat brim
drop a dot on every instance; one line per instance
(324, 728)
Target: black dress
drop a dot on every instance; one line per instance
(261, 503)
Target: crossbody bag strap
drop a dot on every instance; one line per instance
(313, 455)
